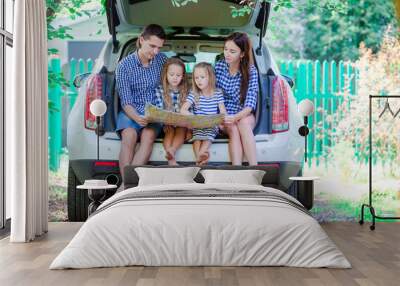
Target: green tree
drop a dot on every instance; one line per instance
(54, 8)
(246, 6)
(337, 36)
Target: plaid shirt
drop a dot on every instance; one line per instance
(136, 83)
(175, 96)
(231, 87)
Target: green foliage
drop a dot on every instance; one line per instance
(52, 107)
(328, 5)
(55, 79)
(180, 3)
(378, 73)
(74, 9)
(240, 12)
(55, 8)
(337, 36)
(246, 6)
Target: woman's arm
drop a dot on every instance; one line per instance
(242, 114)
(222, 109)
(250, 102)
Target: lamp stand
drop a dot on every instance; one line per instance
(305, 149)
(97, 133)
(303, 131)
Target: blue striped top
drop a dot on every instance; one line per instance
(207, 105)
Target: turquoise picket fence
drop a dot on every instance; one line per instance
(324, 84)
(62, 99)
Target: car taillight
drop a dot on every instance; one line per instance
(280, 105)
(94, 90)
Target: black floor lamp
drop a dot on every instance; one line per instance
(306, 108)
(98, 108)
(369, 205)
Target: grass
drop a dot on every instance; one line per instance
(331, 208)
(58, 192)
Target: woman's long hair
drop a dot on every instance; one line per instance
(243, 42)
(182, 87)
(211, 79)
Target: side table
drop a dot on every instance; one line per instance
(96, 194)
(305, 190)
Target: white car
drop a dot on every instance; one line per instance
(195, 33)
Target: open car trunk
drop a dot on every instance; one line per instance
(191, 51)
(208, 21)
(208, 17)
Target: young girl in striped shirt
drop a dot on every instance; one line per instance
(205, 99)
(170, 95)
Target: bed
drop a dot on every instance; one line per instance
(198, 224)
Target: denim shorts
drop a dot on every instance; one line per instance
(124, 122)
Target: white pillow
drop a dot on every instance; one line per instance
(166, 176)
(248, 177)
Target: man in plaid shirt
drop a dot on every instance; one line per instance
(137, 77)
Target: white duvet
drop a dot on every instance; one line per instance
(183, 231)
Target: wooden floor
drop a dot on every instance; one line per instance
(375, 257)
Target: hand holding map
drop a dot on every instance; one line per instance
(155, 114)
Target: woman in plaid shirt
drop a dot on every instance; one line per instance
(238, 78)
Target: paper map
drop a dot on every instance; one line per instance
(155, 114)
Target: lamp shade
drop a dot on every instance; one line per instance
(98, 107)
(306, 107)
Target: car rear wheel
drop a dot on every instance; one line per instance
(78, 200)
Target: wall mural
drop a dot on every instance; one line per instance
(337, 148)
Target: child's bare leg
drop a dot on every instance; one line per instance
(204, 153)
(167, 142)
(179, 138)
(196, 150)
(189, 134)
(177, 141)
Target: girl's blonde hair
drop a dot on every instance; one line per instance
(183, 85)
(211, 79)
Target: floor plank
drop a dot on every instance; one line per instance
(374, 255)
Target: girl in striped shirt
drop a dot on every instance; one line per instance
(205, 99)
(170, 95)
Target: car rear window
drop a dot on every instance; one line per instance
(192, 60)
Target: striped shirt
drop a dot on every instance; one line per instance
(207, 105)
(230, 85)
(136, 83)
(175, 99)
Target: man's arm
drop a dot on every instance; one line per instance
(125, 94)
(132, 114)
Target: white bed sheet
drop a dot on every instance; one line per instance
(200, 232)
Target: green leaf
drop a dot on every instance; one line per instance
(52, 51)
